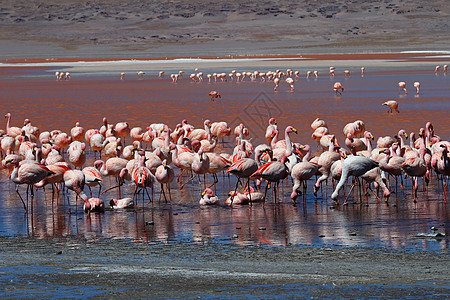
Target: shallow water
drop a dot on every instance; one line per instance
(34, 94)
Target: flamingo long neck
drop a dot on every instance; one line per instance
(402, 141)
(207, 129)
(332, 146)
(14, 174)
(166, 140)
(289, 147)
(412, 140)
(368, 144)
(307, 155)
(8, 124)
(274, 140)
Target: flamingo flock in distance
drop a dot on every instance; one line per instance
(160, 153)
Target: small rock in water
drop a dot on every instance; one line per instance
(353, 233)
(235, 236)
(262, 228)
(148, 223)
(433, 233)
(321, 236)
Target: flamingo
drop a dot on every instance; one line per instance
(142, 176)
(122, 76)
(272, 171)
(12, 131)
(302, 172)
(208, 198)
(393, 105)
(121, 203)
(92, 177)
(337, 88)
(77, 132)
(362, 71)
(74, 180)
(93, 205)
(164, 174)
(161, 74)
(123, 129)
(417, 86)
(214, 95)
(402, 85)
(353, 166)
(347, 73)
(140, 74)
(290, 81)
(318, 122)
(270, 128)
(277, 83)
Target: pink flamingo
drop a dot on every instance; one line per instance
(93, 205)
(417, 86)
(142, 176)
(77, 132)
(121, 203)
(273, 171)
(208, 198)
(92, 177)
(214, 95)
(290, 81)
(337, 88)
(393, 105)
(11, 131)
(74, 181)
(277, 83)
(270, 128)
(402, 85)
(165, 174)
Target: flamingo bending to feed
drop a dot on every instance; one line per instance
(208, 198)
(353, 166)
(121, 203)
(393, 105)
(214, 95)
(417, 86)
(337, 88)
(402, 86)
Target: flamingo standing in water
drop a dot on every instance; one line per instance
(290, 81)
(402, 86)
(27, 172)
(353, 166)
(393, 105)
(337, 88)
(417, 86)
(214, 95)
(277, 83)
(12, 131)
(165, 174)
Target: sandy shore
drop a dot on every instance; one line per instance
(118, 268)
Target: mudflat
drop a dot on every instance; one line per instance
(71, 267)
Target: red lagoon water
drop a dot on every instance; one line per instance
(51, 104)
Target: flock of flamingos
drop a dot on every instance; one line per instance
(155, 154)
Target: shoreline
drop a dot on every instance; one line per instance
(406, 55)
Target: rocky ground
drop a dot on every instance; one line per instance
(79, 28)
